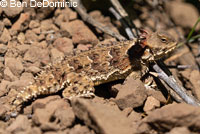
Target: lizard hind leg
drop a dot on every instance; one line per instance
(78, 85)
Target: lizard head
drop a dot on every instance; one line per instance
(158, 44)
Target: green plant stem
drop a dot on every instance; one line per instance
(193, 28)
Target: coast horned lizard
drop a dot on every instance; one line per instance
(77, 74)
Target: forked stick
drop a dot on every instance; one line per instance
(170, 80)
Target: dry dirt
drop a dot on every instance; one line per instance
(31, 38)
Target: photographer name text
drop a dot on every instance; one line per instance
(34, 3)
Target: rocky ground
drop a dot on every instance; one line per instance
(31, 38)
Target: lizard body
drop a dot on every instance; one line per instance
(77, 74)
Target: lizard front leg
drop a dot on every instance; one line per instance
(78, 85)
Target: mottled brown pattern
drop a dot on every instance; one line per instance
(77, 74)
(76, 64)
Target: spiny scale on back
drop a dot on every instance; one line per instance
(77, 74)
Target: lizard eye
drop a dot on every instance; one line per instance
(164, 40)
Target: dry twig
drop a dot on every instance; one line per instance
(126, 27)
(119, 8)
(124, 15)
(170, 80)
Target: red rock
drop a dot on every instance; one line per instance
(3, 48)
(23, 48)
(20, 124)
(3, 111)
(21, 38)
(194, 79)
(41, 103)
(33, 69)
(64, 15)
(108, 41)
(64, 45)
(41, 38)
(186, 58)
(37, 31)
(157, 95)
(83, 47)
(179, 115)
(37, 54)
(65, 30)
(179, 130)
(3, 127)
(8, 75)
(3, 131)
(44, 12)
(12, 11)
(7, 22)
(60, 19)
(3, 87)
(180, 16)
(134, 116)
(49, 127)
(13, 32)
(71, 15)
(41, 116)
(42, 44)
(141, 128)
(33, 24)
(19, 84)
(127, 111)
(131, 94)
(78, 129)
(81, 34)
(33, 130)
(5, 36)
(17, 26)
(57, 113)
(15, 65)
(56, 55)
(151, 103)
(9, 98)
(65, 117)
(98, 117)
(31, 37)
(57, 132)
(26, 76)
(51, 37)
(47, 25)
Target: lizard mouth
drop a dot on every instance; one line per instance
(159, 54)
(156, 54)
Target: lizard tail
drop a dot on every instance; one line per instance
(22, 97)
(26, 94)
(48, 86)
